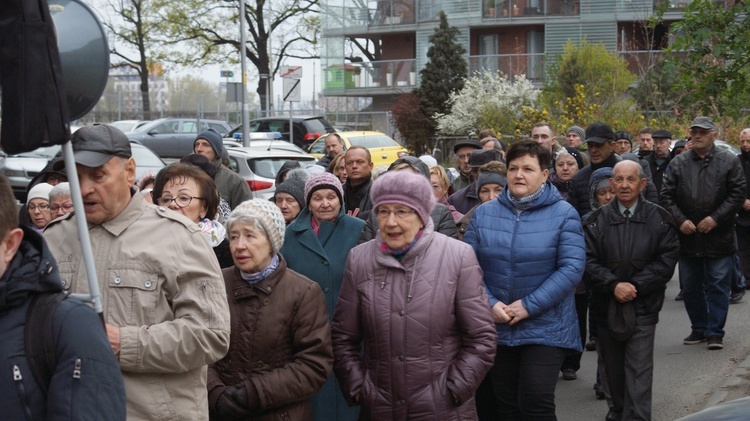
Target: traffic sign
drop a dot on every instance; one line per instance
(292, 90)
(227, 73)
(291, 72)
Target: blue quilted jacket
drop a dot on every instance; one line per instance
(537, 256)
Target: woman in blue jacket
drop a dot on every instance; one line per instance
(529, 243)
(316, 245)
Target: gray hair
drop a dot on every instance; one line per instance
(245, 218)
(745, 131)
(62, 189)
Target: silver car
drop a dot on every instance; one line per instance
(258, 164)
(21, 168)
(174, 137)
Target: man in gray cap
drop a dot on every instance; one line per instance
(231, 186)
(163, 296)
(463, 149)
(466, 198)
(703, 189)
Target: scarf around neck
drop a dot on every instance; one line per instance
(524, 203)
(255, 278)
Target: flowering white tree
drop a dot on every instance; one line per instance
(488, 100)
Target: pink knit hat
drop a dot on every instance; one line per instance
(324, 180)
(404, 187)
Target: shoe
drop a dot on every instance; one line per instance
(613, 416)
(695, 337)
(678, 297)
(590, 345)
(569, 374)
(715, 342)
(736, 297)
(599, 392)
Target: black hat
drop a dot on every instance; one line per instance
(466, 142)
(703, 123)
(201, 162)
(94, 146)
(622, 134)
(680, 144)
(661, 134)
(483, 156)
(575, 153)
(599, 133)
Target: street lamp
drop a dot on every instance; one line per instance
(265, 77)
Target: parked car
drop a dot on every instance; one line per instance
(258, 165)
(129, 125)
(736, 410)
(21, 168)
(174, 137)
(306, 128)
(264, 140)
(383, 148)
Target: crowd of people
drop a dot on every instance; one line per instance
(422, 292)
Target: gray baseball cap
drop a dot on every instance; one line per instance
(94, 146)
(703, 123)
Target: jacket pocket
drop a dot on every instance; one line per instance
(23, 393)
(132, 297)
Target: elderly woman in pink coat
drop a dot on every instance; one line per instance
(412, 332)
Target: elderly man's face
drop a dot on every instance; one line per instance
(622, 146)
(745, 142)
(702, 139)
(106, 189)
(661, 147)
(626, 182)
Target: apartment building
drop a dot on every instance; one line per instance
(375, 48)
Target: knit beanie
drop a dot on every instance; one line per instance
(294, 186)
(579, 131)
(214, 139)
(404, 188)
(270, 218)
(40, 191)
(490, 177)
(324, 180)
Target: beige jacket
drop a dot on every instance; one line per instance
(161, 284)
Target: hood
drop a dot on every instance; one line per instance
(596, 177)
(32, 270)
(285, 168)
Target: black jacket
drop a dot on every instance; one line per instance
(578, 195)
(357, 199)
(642, 251)
(657, 171)
(465, 199)
(743, 216)
(441, 218)
(694, 188)
(98, 393)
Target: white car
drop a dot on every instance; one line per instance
(258, 164)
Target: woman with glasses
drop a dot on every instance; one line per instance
(37, 204)
(412, 333)
(187, 189)
(60, 202)
(529, 243)
(316, 245)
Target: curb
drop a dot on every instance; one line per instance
(739, 377)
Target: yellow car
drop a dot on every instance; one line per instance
(383, 149)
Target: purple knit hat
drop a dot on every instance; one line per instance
(324, 180)
(405, 188)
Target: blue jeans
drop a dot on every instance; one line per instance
(706, 284)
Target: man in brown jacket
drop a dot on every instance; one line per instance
(163, 297)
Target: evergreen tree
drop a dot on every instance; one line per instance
(443, 74)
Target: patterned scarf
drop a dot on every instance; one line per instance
(399, 253)
(524, 203)
(255, 278)
(213, 231)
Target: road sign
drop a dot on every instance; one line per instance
(292, 72)
(292, 90)
(227, 73)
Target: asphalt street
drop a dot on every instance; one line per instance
(687, 378)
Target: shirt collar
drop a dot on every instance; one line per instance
(129, 214)
(622, 208)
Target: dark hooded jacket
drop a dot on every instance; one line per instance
(80, 340)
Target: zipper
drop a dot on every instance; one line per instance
(18, 379)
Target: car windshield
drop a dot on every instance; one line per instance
(373, 141)
(319, 146)
(268, 167)
(124, 126)
(315, 125)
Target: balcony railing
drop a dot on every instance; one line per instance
(386, 74)
(511, 65)
(509, 9)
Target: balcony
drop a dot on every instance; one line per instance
(509, 9)
(680, 5)
(374, 77)
(511, 65)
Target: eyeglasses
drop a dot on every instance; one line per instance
(701, 132)
(33, 208)
(56, 208)
(180, 201)
(383, 214)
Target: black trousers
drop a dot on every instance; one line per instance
(524, 380)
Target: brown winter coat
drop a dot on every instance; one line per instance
(428, 334)
(280, 343)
